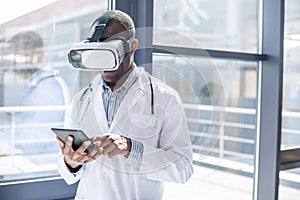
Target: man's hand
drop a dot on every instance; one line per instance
(113, 145)
(76, 158)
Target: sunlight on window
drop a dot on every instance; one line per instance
(17, 8)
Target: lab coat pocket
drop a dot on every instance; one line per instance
(145, 127)
(144, 121)
(139, 126)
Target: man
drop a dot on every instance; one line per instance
(45, 87)
(137, 124)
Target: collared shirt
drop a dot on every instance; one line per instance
(113, 99)
(111, 103)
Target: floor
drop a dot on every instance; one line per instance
(210, 184)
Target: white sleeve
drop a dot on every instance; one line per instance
(65, 173)
(63, 170)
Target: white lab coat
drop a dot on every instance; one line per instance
(167, 148)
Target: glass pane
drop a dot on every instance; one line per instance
(289, 179)
(219, 98)
(212, 24)
(36, 80)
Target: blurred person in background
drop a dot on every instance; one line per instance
(44, 87)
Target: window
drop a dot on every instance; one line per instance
(219, 95)
(222, 25)
(36, 81)
(290, 139)
(238, 41)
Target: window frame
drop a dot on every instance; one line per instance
(45, 188)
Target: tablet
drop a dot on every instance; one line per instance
(78, 135)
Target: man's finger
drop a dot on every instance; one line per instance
(109, 148)
(94, 154)
(68, 145)
(83, 147)
(114, 153)
(99, 138)
(105, 143)
(60, 142)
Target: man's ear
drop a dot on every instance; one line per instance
(134, 45)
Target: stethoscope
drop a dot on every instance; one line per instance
(85, 97)
(81, 113)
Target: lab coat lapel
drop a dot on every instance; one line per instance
(97, 107)
(133, 96)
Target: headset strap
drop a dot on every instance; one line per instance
(98, 30)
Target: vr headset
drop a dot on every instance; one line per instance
(91, 54)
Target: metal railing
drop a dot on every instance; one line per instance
(8, 127)
(221, 144)
(222, 125)
(242, 148)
